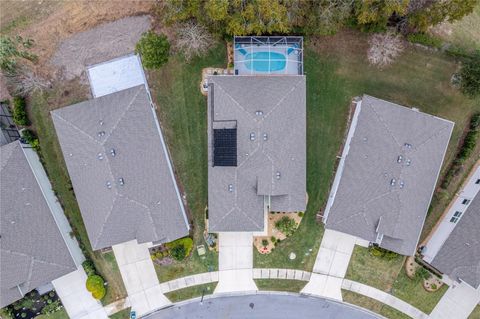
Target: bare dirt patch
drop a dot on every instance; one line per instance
(99, 44)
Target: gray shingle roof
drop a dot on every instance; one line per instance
(366, 203)
(236, 100)
(147, 206)
(32, 250)
(459, 256)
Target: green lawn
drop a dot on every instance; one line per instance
(373, 271)
(182, 111)
(52, 158)
(61, 314)
(372, 305)
(412, 291)
(122, 314)
(280, 284)
(475, 314)
(191, 292)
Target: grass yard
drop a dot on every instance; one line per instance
(412, 291)
(191, 292)
(60, 314)
(182, 111)
(52, 158)
(372, 305)
(280, 284)
(122, 314)
(475, 314)
(373, 271)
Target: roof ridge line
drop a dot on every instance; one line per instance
(76, 128)
(149, 212)
(381, 120)
(293, 88)
(105, 220)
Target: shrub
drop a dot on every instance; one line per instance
(422, 273)
(376, 251)
(154, 49)
(52, 307)
(273, 239)
(300, 214)
(180, 248)
(95, 284)
(264, 242)
(31, 139)
(19, 111)
(286, 225)
(433, 286)
(390, 255)
(470, 75)
(425, 39)
(89, 267)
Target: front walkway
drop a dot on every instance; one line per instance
(78, 302)
(141, 282)
(457, 303)
(331, 265)
(235, 262)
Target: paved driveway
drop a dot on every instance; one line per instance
(78, 302)
(457, 303)
(235, 262)
(331, 265)
(139, 277)
(264, 306)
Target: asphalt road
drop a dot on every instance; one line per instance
(264, 306)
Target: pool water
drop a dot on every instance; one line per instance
(265, 61)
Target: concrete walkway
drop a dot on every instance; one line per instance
(235, 262)
(78, 302)
(457, 303)
(331, 265)
(138, 273)
(383, 297)
(189, 281)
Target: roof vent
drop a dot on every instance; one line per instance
(101, 133)
(393, 182)
(402, 184)
(277, 175)
(365, 139)
(100, 156)
(101, 122)
(109, 185)
(399, 158)
(230, 188)
(408, 162)
(112, 152)
(121, 181)
(252, 136)
(265, 136)
(408, 145)
(259, 112)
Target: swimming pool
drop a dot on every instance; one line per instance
(265, 61)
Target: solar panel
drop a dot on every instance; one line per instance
(225, 147)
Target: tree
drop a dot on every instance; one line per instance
(470, 76)
(193, 39)
(13, 48)
(154, 49)
(95, 285)
(326, 16)
(24, 81)
(373, 15)
(423, 14)
(384, 48)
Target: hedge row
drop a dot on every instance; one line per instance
(20, 112)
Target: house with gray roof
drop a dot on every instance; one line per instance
(453, 248)
(387, 174)
(120, 169)
(32, 249)
(256, 149)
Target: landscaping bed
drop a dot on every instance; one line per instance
(34, 305)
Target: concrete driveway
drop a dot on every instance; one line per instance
(138, 273)
(235, 262)
(78, 302)
(457, 303)
(331, 265)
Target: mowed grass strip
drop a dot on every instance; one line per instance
(182, 111)
(289, 285)
(191, 292)
(52, 159)
(372, 305)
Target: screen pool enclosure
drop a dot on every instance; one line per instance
(268, 55)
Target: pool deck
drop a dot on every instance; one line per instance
(292, 59)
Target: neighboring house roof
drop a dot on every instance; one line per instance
(32, 250)
(459, 256)
(389, 174)
(120, 169)
(273, 163)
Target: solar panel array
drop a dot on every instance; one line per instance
(225, 147)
